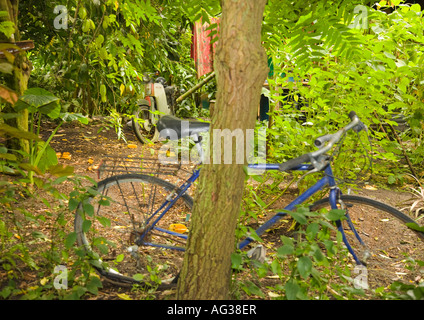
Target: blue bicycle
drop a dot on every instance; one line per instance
(139, 226)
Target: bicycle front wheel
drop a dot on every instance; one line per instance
(390, 249)
(119, 230)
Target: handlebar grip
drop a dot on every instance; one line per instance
(321, 140)
(294, 163)
(352, 115)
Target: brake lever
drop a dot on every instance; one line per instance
(318, 164)
(359, 127)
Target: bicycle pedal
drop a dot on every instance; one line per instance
(257, 253)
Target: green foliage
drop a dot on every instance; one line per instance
(6, 27)
(305, 265)
(28, 247)
(375, 70)
(97, 63)
(42, 158)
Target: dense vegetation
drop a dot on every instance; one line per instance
(89, 60)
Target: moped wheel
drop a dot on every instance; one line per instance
(143, 126)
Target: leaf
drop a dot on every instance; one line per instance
(335, 214)
(93, 285)
(7, 28)
(44, 281)
(28, 167)
(86, 225)
(60, 170)
(103, 93)
(312, 230)
(120, 258)
(124, 296)
(52, 110)
(236, 261)
(291, 289)
(304, 266)
(415, 226)
(82, 13)
(73, 204)
(70, 240)
(74, 116)
(104, 221)
(251, 288)
(48, 158)
(138, 277)
(99, 40)
(8, 94)
(8, 156)
(285, 250)
(38, 97)
(6, 67)
(66, 155)
(39, 235)
(88, 209)
(299, 217)
(85, 26)
(17, 133)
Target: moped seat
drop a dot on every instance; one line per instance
(174, 128)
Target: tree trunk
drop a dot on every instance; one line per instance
(241, 68)
(18, 81)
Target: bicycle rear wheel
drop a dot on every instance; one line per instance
(389, 247)
(109, 224)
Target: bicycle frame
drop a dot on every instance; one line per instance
(326, 181)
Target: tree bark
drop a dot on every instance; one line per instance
(241, 68)
(18, 81)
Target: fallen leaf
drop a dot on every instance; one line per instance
(273, 294)
(370, 187)
(132, 146)
(178, 227)
(66, 155)
(124, 296)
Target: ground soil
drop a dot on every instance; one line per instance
(84, 147)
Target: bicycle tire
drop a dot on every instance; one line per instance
(391, 243)
(147, 132)
(125, 201)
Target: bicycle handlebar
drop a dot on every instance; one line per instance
(355, 124)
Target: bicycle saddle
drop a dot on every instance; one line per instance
(174, 128)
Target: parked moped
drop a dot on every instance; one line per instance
(159, 100)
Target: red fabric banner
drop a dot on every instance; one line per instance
(202, 50)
